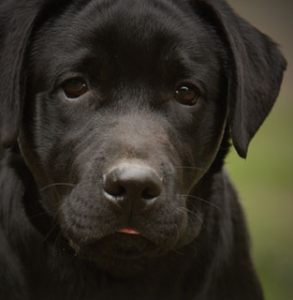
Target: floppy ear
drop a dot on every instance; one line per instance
(16, 19)
(255, 73)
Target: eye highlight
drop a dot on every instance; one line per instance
(186, 94)
(75, 87)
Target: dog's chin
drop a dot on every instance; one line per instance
(119, 254)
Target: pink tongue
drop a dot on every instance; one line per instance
(128, 230)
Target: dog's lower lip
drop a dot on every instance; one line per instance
(129, 230)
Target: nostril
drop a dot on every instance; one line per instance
(112, 187)
(116, 191)
(151, 192)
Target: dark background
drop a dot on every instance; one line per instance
(265, 179)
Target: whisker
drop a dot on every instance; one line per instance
(38, 215)
(177, 252)
(57, 239)
(54, 220)
(177, 234)
(192, 212)
(50, 232)
(191, 168)
(57, 184)
(201, 199)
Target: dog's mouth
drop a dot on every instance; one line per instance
(129, 230)
(126, 243)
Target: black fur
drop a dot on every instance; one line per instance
(60, 227)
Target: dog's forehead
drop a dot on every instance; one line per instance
(131, 17)
(134, 20)
(131, 33)
(142, 23)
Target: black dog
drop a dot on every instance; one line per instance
(115, 120)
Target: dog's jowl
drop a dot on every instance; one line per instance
(116, 116)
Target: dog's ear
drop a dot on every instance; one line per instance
(16, 22)
(255, 72)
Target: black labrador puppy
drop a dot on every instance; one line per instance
(116, 116)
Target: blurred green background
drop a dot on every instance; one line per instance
(265, 179)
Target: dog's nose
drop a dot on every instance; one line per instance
(132, 185)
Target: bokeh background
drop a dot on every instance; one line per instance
(265, 179)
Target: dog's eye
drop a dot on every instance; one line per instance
(74, 88)
(186, 95)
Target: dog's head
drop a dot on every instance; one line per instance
(120, 108)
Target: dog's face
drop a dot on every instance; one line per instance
(126, 113)
(126, 104)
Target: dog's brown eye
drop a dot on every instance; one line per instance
(74, 88)
(186, 95)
